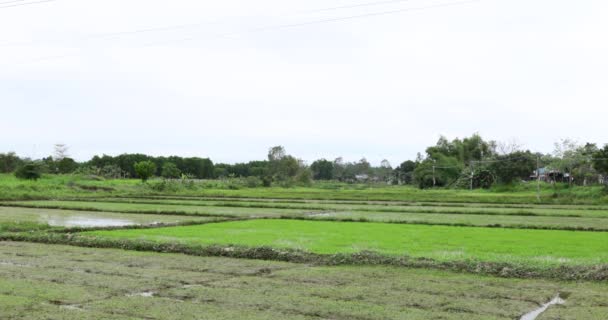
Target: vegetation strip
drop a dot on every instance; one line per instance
(447, 224)
(437, 203)
(39, 281)
(501, 269)
(370, 208)
(541, 248)
(459, 219)
(190, 208)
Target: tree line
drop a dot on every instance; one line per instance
(471, 162)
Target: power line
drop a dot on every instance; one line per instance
(270, 28)
(302, 24)
(185, 26)
(25, 4)
(356, 6)
(5, 2)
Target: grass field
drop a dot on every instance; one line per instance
(331, 251)
(64, 186)
(60, 282)
(535, 247)
(537, 218)
(538, 210)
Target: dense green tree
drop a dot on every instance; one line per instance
(384, 172)
(472, 148)
(282, 167)
(144, 169)
(66, 165)
(9, 162)
(322, 170)
(29, 171)
(304, 177)
(600, 160)
(170, 171)
(404, 173)
(446, 171)
(515, 166)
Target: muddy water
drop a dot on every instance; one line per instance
(534, 314)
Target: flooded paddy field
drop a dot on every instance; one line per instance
(160, 208)
(40, 281)
(71, 218)
(309, 205)
(455, 243)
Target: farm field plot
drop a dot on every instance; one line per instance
(60, 282)
(69, 218)
(461, 219)
(443, 243)
(515, 218)
(158, 208)
(437, 203)
(558, 211)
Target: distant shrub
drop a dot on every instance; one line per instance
(29, 171)
(144, 169)
(304, 178)
(267, 181)
(170, 171)
(253, 182)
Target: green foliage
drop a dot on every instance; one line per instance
(29, 171)
(469, 149)
(447, 170)
(170, 171)
(483, 178)
(514, 166)
(200, 168)
(600, 160)
(304, 177)
(9, 162)
(144, 169)
(253, 182)
(282, 167)
(66, 165)
(322, 170)
(324, 237)
(404, 173)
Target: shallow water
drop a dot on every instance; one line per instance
(85, 221)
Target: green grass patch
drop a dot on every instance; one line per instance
(70, 186)
(539, 248)
(40, 281)
(562, 211)
(472, 220)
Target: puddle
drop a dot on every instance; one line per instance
(146, 294)
(87, 221)
(534, 314)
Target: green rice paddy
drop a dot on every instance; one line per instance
(536, 247)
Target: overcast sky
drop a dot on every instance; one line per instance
(229, 79)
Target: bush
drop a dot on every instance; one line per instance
(145, 170)
(253, 182)
(170, 171)
(267, 181)
(29, 171)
